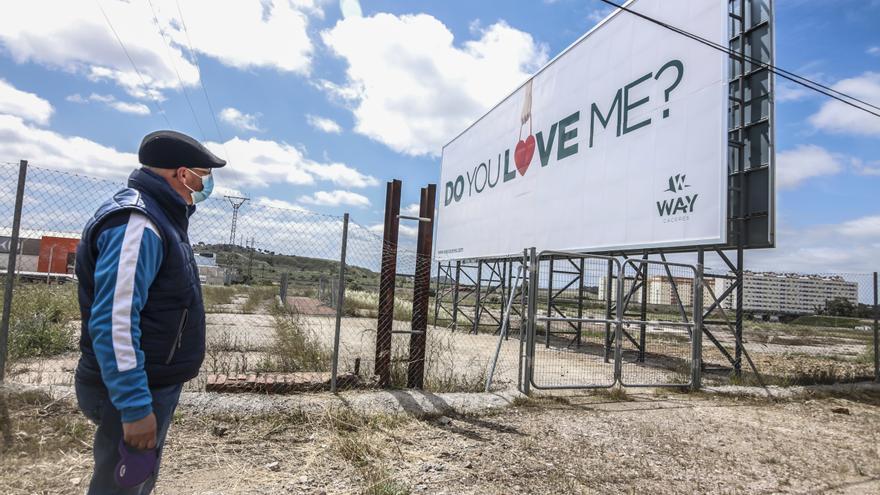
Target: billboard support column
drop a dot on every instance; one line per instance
(609, 289)
(455, 296)
(644, 307)
(696, 332)
(549, 303)
(531, 326)
(10, 268)
(738, 329)
(388, 279)
(478, 308)
(581, 283)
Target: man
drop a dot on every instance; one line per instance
(143, 320)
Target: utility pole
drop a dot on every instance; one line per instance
(236, 203)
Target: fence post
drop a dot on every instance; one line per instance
(339, 298)
(532, 312)
(876, 333)
(10, 268)
(697, 330)
(283, 290)
(388, 281)
(421, 288)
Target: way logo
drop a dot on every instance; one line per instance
(682, 204)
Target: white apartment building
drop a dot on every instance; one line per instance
(791, 293)
(763, 292)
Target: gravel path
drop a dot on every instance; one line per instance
(822, 441)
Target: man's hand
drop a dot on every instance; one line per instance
(141, 434)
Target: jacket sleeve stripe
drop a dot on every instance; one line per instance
(126, 358)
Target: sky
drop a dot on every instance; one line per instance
(317, 103)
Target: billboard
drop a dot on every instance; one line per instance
(620, 142)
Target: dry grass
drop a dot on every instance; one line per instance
(43, 321)
(37, 430)
(295, 347)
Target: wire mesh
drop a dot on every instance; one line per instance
(658, 316)
(797, 329)
(272, 294)
(255, 340)
(570, 352)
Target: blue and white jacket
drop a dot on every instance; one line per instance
(143, 320)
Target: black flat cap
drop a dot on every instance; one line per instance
(172, 149)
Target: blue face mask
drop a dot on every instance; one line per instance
(207, 188)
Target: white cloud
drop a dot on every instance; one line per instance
(250, 34)
(350, 8)
(412, 88)
(134, 108)
(411, 209)
(788, 91)
(260, 163)
(803, 163)
(862, 227)
(44, 148)
(324, 124)
(22, 104)
(837, 117)
(597, 15)
(336, 198)
(822, 249)
(253, 163)
(278, 203)
(240, 120)
(76, 38)
(403, 230)
(863, 168)
(873, 50)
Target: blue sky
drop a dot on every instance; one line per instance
(316, 109)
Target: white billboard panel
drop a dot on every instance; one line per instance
(618, 143)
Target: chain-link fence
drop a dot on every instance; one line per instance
(275, 315)
(278, 318)
(797, 329)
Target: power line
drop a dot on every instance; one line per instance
(174, 65)
(201, 80)
(785, 74)
(146, 88)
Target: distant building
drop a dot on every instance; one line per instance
(210, 273)
(791, 293)
(28, 254)
(660, 290)
(634, 297)
(57, 255)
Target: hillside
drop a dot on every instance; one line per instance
(266, 267)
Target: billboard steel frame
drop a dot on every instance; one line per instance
(751, 195)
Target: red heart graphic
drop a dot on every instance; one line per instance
(523, 154)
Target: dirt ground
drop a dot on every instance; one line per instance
(657, 441)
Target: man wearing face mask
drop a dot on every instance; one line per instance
(143, 320)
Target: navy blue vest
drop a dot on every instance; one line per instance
(173, 319)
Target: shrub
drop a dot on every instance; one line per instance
(42, 322)
(295, 348)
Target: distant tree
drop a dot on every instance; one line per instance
(840, 306)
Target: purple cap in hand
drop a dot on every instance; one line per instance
(134, 466)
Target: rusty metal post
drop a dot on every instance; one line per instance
(387, 282)
(421, 288)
